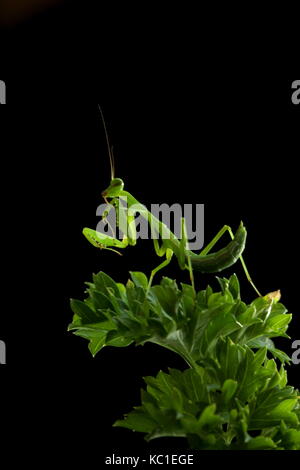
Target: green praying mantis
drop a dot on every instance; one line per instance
(167, 244)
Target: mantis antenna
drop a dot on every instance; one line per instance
(112, 165)
(110, 153)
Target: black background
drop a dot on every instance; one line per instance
(190, 122)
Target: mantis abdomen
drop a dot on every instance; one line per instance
(223, 258)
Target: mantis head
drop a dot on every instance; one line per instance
(114, 189)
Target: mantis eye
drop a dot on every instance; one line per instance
(116, 185)
(114, 188)
(116, 182)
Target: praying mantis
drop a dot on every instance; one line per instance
(167, 244)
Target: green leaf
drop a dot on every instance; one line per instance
(137, 421)
(96, 344)
(105, 284)
(100, 301)
(290, 439)
(228, 389)
(119, 341)
(224, 284)
(139, 279)
(263, 341)
(85, 313)
(92, 330)
(234, 286)
(208, 417)
(284, 408)
(136, 297)
(279, 322)
(261, 443)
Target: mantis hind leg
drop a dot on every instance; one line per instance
(169, 254)
(245, 267)
(163, 249)
(183, 253)
(207, 249)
